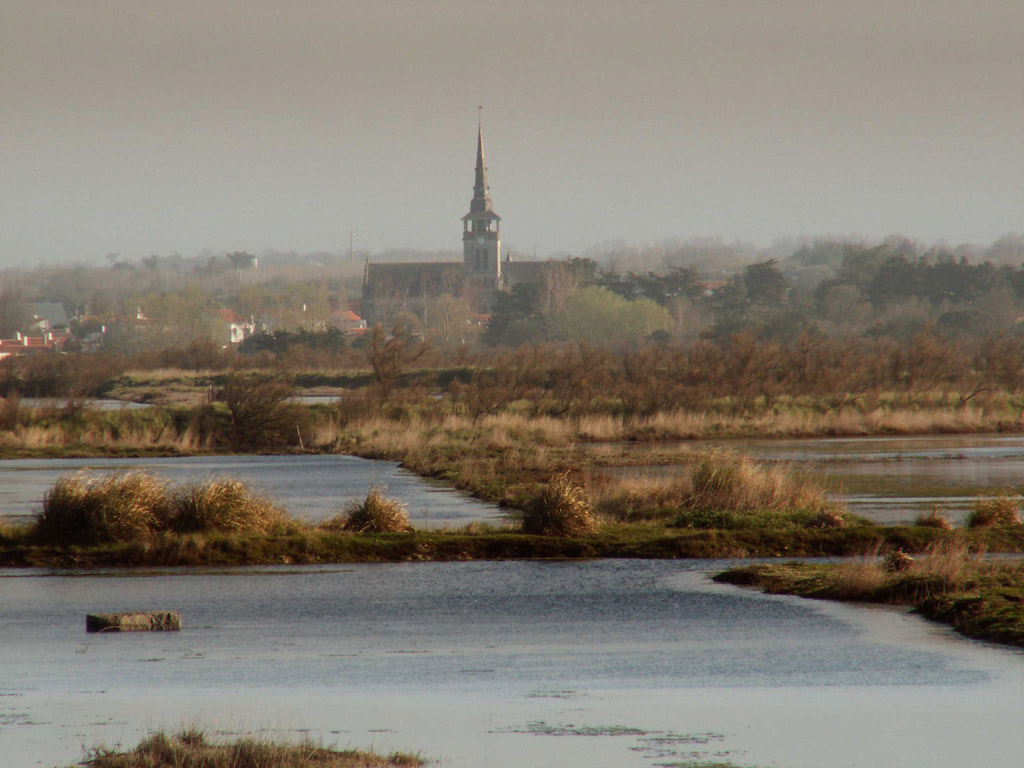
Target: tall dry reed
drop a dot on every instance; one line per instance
(223, 505)
(995, 510)
(135, 506)
(375, 514)
(561, 509)
(101, 509)
(718, 490)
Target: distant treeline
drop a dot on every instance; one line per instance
(878, 292)
(615, 296)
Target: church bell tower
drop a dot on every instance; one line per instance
(481, 227)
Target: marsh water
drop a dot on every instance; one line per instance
(504, 664)
(313, 487)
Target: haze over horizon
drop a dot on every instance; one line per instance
(143, 127)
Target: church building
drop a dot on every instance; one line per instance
(407, 284)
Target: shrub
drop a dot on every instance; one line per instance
(994, 511)
(831, 517)
(934, 520)
(223, 505)
(109, 508)
(259, 410)
(561, 509)
(375, 514)
(10, 409)
(898, 561)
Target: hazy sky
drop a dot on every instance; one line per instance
(162, 126)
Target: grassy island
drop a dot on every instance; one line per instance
(193, 749)
(949, 583)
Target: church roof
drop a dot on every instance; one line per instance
(419, 277)
(481, 216)
(522, 271)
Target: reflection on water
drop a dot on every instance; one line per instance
(610, 663)
(312, 487)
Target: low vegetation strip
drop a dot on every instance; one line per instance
(719, 507)
(192, 749)
(950, 582)
(308, 545)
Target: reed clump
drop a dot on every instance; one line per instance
(376, 513)
(103, 509)
(224, 505)
(192, 749)
(136, 506)
(992, 511)
(561, 509)
(735, 492)
(719, 490)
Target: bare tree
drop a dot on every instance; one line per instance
(391, 355)
(259, 409)
(558, 282)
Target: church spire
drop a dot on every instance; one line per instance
(481, 228)
(481, 191)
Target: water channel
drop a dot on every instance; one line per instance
(312, 487)
(506, 664)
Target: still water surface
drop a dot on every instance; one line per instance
(310, 487)
(596, 664)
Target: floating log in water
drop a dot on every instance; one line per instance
(133, 621)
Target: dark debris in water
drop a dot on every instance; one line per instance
(675, 750)
(540, 728)
(553, 694)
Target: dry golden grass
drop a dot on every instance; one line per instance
(561, 509)
(93, 510)
(717, 489)
(635, 497)
(989, 511)
(375, 514)
(224, 505)
(946, 566)
(723, 482)
(856, 579)
(949, 563)
(135, 506)
(191, 749)
(130, 436)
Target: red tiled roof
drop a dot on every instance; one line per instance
(230, 316)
